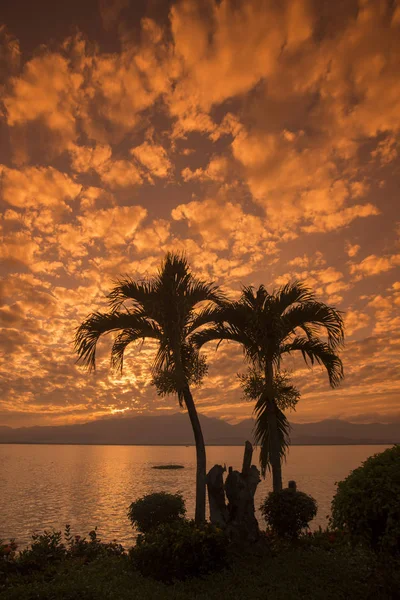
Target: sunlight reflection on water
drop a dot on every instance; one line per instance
(45, 486)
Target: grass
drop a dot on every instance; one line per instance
(297, 572)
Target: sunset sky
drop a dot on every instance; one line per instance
(260, 137)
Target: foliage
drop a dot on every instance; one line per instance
(7, 557)
(7, 550)
(327, 539)
(180, 550)
(166, 380)
(92, 548)
(156, 509)
(167, 308)
(291, 571)
(270, 326)
(288, 512)
(48, 548)
(367, 504)
(263, 433)
(286, 395)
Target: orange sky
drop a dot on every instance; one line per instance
(261, 137)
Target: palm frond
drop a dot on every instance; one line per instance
(126, 288)
(262, 433)
(175, 267)
(199, 291)
(255, 300)
(207, 315)
(291, 293)
(144, 329)
(315, 317)
(316, 351)
(164, 358)
(96, 325)
(222, 333)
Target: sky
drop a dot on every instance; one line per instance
(259, 137)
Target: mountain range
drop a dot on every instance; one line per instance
(175, 429)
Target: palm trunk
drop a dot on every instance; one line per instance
(273, 431)
(200, 514)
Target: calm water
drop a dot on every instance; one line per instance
(48, 486)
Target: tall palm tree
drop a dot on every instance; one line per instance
(270, 326)
(167, 308)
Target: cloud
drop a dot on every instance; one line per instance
(352, 249)
(304, 261)
(374, 265)
(282, 151)
(85, 158)
(154, 158)
(291, 170)
(225, 225)
(297, 185)
(155, 236)
(37, 187)
(18, 246)
(216, 170)
(114, 226)
(122, 85)
(329, 275)
(227, 63)
(387, 150)
(342, 218)
(120, 174)
(81, 89)
(10, 54)
(355, 320)
(47, 90)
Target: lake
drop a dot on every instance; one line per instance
(45, 486)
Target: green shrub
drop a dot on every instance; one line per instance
(7, 550)
(288, 512)
(367, 502)
(180, 550)
(90, 549)
(48, 549)
(156, 509)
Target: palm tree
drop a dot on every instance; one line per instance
(270, 326)
(167, 308)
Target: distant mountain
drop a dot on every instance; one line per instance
(175, 429)
(335, 431)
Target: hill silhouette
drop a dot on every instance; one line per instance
(175, 429)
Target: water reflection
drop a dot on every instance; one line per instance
(49, 486)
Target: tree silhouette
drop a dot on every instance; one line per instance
(270, 326)
(168, 308)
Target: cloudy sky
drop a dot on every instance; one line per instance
(260, 137)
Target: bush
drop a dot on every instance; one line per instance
(90, 549)
(156, 509)
(367, 504)
(45, 548)
(7, 550)
(48, 550)
(180, 550)
(288, 512)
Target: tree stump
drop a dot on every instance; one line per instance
(216, 496)
(238, 515)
